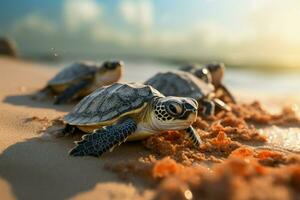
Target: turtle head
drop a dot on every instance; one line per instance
(203, 74)
(217, 71)
(112, 65)
(174, 113)
(110, 72)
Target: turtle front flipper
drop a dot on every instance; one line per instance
(226, 92)
(71, 92)
(208, 107)
(104, 139)
(193, 136)
(42, 94)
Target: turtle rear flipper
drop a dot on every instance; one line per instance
(208, 107)
(104, 139)
(226, 92)
(42, 94)
(71, 92)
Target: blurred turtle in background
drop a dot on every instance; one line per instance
(211, 73)
(7, 47)
(81, 79)
(185, 84)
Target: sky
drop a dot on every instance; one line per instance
(247, 31)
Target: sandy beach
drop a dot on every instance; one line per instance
(239, 139)
(35, 167)
(32, 167)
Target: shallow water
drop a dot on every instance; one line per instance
(286, 138)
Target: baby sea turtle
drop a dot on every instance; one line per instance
(211, 73)
(121, 111)
(184, 84)
(82, 78)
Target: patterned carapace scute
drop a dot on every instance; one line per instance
(74, 72)
(107, 103)
(178, 83)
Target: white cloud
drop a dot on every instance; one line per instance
(100, 33)
(270, 32)
(137, 13)
(85, 16)
(280, 21)
(34, 22)
(78, 13)
(275, 28)
(33, 33)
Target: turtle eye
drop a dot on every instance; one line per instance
(109, 65)
(203, 74)
(174, 108)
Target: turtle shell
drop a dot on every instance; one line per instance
(179, 83)
(188, 68)
(109, 102)
(74, 72)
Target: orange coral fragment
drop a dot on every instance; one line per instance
(268, 154)
(166, 167)
(242, 152)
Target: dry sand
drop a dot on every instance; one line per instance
(32, 167)
(35, 167)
